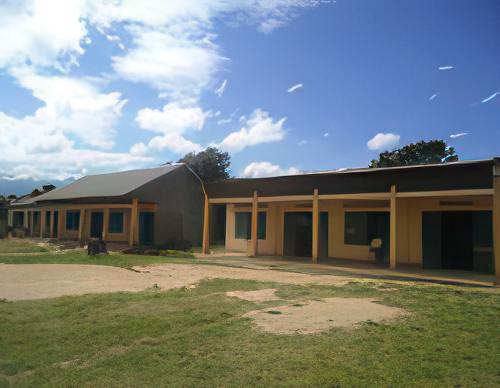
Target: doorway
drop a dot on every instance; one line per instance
(456, 240)
(460, 240)
(96, 224)
(297, 236)
(146, 228)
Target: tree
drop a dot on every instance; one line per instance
(210, 165)
(48, 187)
(431, 152)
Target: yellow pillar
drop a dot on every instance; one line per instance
(393, 228)
(32, 216)
(80, 225)
(206, 228)
(42, 223)
(60, 223)
(51, 235)
(315, 226)
(255, 219)
(105, 224)
(133, 222)
(496, 219)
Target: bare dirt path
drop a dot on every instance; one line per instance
(39, 281)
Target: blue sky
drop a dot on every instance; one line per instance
(93, 86)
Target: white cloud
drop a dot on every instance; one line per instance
(294, 88)
(50, 143)
(265, 169)
(173, 121)
(224, 121)
(173, 118)
(260, 129)
(458, 135)
(45, 32)
(72, 106)
(179, 64)
(221, 89)
(302, 142)
(383, 141)
(326, 134)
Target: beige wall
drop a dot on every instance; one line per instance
(408, 224)
(265, 247)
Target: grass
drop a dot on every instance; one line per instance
(54, 256)
(16, 245)
(197, 338)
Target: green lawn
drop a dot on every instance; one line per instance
(55, 256)
(197, 338)
(18, 245)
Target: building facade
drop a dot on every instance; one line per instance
(161, 206)
(435, 216)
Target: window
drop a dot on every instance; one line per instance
(362, 227)
(72, 220)
(115, 222)
(243, 225)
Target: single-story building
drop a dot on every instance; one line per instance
(444, 216)
(159, 206)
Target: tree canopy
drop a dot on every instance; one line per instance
(210, 165)
(423, 152)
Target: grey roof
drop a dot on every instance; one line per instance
(104, 185)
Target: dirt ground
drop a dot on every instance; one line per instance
(39, 281)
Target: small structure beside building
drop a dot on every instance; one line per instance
(444, 216)
(161, 206)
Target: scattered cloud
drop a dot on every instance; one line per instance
(221, 89)
(294, 88)
(302, 142)
(40, 33)
(260, 128)
(433, 96)
(458, 135)
(446, 68)
(172, 122)
(115, 38)
(490, 97)
(383, 141)
(224, 121)
(178, 64)
(326, 134)
(266, 169)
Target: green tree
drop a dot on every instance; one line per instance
(210, 165)
(423, 152)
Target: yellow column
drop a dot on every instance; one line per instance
(496, 219)
(32, 215)
(255, 215)
(80, 225)
(206, 228)
(51, 224)
(42, 223)
(133, 222)
(105, 224)
(60, 225)
(315, 226)
(393, 228)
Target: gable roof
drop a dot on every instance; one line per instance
(103, 185)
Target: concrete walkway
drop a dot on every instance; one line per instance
(352, 268)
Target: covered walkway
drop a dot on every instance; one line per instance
(353, 268)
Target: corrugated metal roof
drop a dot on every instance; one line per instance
(432, 177)
(104, 185)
